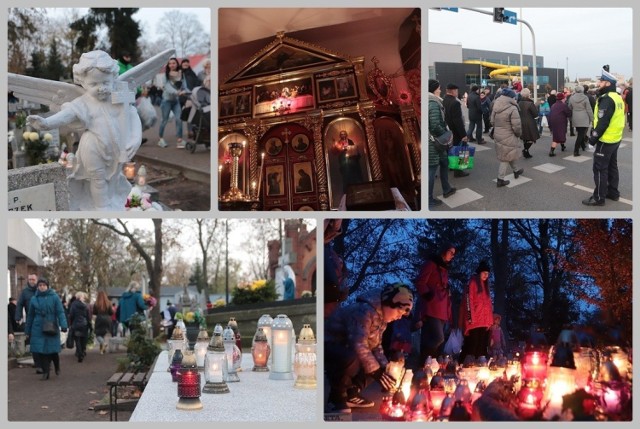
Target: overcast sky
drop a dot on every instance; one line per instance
(149, 18)
(560, 34)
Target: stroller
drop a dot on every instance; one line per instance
(197, 113)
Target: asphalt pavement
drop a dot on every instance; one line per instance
(557, 183)
(74, 395)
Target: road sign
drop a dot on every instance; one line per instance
(510, 17)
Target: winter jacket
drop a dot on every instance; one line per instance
(44, 306)
(476, 309)
(437, 127)
(453, 117)
(528, 115)
(24, 299)
(79, 318)
(432, 285)
(103, 321)
(475, 106)
(581, 111)
(558, 121)
(359, 326)
(130, 303)
(505, 119)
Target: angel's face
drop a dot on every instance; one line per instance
(98, 84)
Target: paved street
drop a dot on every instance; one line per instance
(557, 183)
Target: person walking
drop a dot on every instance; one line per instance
(529, 121)
(582, 115)
(507, 126)
(45, 307)
(22, 310)
(455, 121)
(170, 103)
(558, 121)
(608, 126)
(432, 285)
(485, 102)
(627, 96)
(474, 104)
(438, 157)
(103, 311)
(79, 318)
(353, 350)
(476, 313)
(11, 310)
(131, 302)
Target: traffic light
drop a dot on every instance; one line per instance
(498, 14)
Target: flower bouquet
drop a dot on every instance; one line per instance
(194, 317)
(140, 201)
(36, 146)
(149, 300)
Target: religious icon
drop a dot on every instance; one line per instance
(302, 174)
(300, 143)
(326, 90)
(274, 146)
(345, 87)
(275, 183)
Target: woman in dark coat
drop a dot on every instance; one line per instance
(45, 305)
(558, 121)
(103, 311)
(529, 121)
(79, 318)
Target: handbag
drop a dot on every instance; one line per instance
(442, 142)
(70, 340)
(50, 327)
(461, 157)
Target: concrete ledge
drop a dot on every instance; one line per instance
(115, 343)
(26, 177)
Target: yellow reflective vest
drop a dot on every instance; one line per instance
(613, 133)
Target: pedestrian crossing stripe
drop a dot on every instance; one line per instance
(590, 190)
(549, 167)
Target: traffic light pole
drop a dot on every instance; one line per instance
(533, 38)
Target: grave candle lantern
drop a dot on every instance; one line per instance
(189, 384)
(215, 364)
(260, 351)
(282, 346)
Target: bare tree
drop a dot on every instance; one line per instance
(206, 237)
(183, 32)
(152, 259)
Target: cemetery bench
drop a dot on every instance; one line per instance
(124, 379)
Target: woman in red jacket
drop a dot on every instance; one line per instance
(476, 313)
(432, 285)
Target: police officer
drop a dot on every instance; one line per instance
(608, 125)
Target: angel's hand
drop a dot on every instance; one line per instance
(37, 122)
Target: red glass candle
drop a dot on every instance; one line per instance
(534, 365)
(189, 383)
(530, 399)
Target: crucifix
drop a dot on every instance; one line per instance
(286, 133)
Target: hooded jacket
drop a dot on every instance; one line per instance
(359, 326)
(437, 127)
(432, 285)
(130, 303)
(505, 118)
(582, 113)
(476, 309)
(44, 306)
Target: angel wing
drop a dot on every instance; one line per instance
(49, 92)
(146, 70)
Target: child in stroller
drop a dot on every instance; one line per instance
(197, 113)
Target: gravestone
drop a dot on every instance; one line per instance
(38, 188)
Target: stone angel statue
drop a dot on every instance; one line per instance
(101, 104)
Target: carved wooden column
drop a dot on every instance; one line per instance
(410, 126)
(367, 113)
(254, 131)
(313, 122)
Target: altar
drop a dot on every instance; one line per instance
(255, 398)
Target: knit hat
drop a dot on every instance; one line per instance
(452, 86)
(579, 88)
(608, 77)
(525, 92)
(43, 280)
(483, 266)
(509, 92)
(397, 296)
(560, 96)
(553, 92)
(433, 85)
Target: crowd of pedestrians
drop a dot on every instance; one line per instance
(515, 122)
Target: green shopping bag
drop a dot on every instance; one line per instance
(461, 157)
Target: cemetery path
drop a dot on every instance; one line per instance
(69, 396)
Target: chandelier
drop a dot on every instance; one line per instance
(281, 105)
